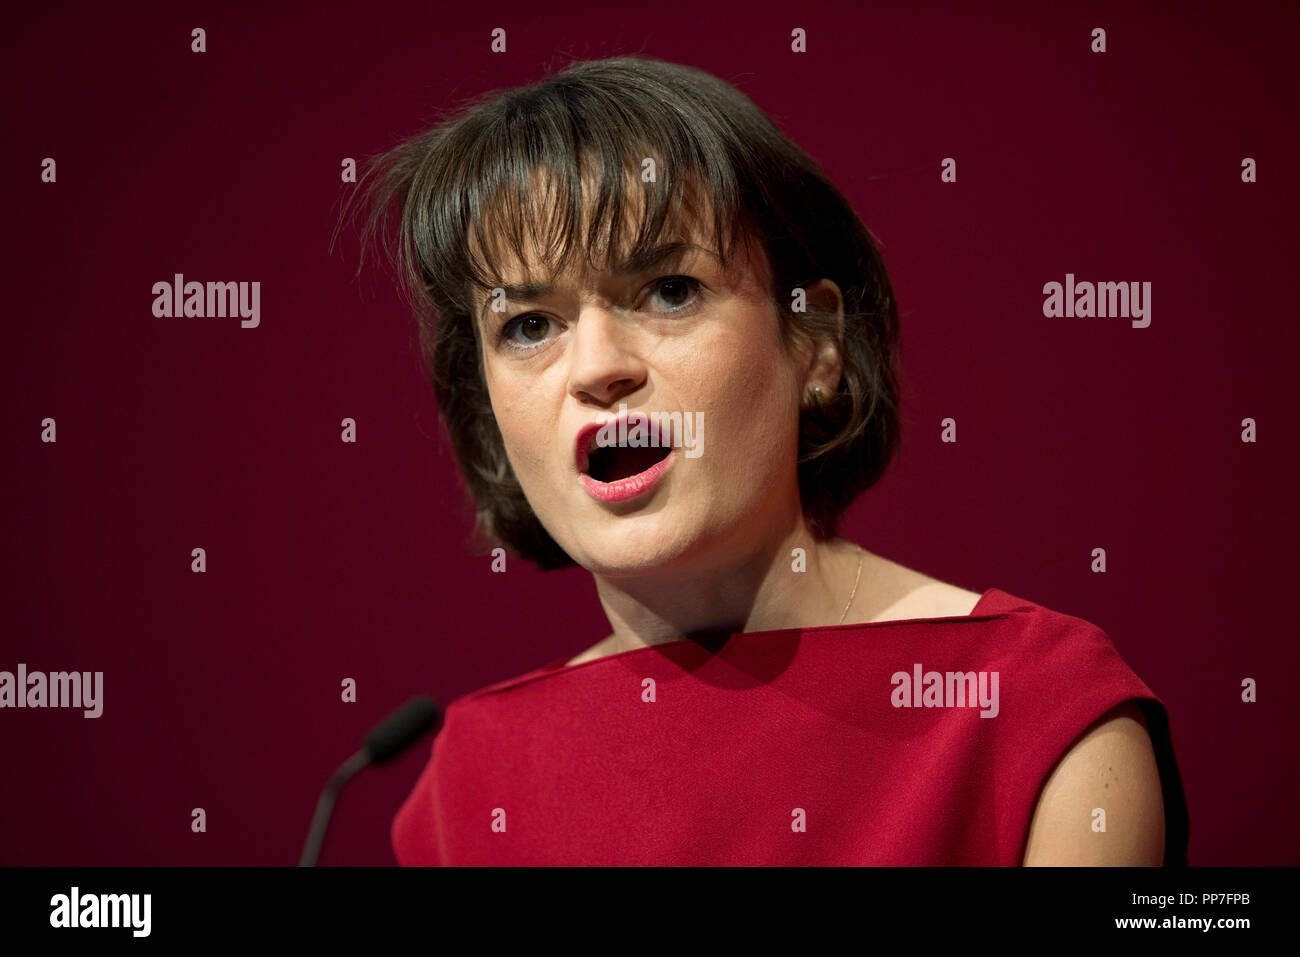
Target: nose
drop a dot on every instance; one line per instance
(604, 364)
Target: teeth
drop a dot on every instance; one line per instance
(596, 445)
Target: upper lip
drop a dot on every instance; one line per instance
(588, 432)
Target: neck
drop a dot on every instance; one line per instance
(756, 589)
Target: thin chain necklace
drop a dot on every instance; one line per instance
(855, 587)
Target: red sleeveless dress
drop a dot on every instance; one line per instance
(917, 742)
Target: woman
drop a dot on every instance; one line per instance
(635, 239)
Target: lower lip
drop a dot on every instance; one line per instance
(630, 487)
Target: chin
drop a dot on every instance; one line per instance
(632, 545)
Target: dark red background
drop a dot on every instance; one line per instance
(327, 560)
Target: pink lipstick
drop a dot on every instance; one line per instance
(630, 487)
(599, 476)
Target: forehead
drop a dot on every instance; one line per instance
(529, 238)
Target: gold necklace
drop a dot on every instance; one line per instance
(855, 587)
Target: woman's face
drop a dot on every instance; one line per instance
(706, 345)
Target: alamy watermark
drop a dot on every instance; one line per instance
(58, 689)
(180, 299)
(950, 689)
(1102, 300)
(75, 909)
(637, 430)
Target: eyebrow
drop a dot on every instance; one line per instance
(630, 266)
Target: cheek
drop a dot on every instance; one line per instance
(519, 415)
(748, 387)
(739, 342)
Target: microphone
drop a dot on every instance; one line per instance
(389, 738)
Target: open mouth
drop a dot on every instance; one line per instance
(615, 462)
(616, 471)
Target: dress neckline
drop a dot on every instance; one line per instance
(980, 610)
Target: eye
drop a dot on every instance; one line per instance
(532, 330)
(527, 331)
(675, 288)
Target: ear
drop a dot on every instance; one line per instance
(822, 365)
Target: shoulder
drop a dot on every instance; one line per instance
(1071, 732)
(599, 650)
(1102, 802)
(900, 593)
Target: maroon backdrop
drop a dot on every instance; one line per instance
(329, 560)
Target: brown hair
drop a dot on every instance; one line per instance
(479, 165)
